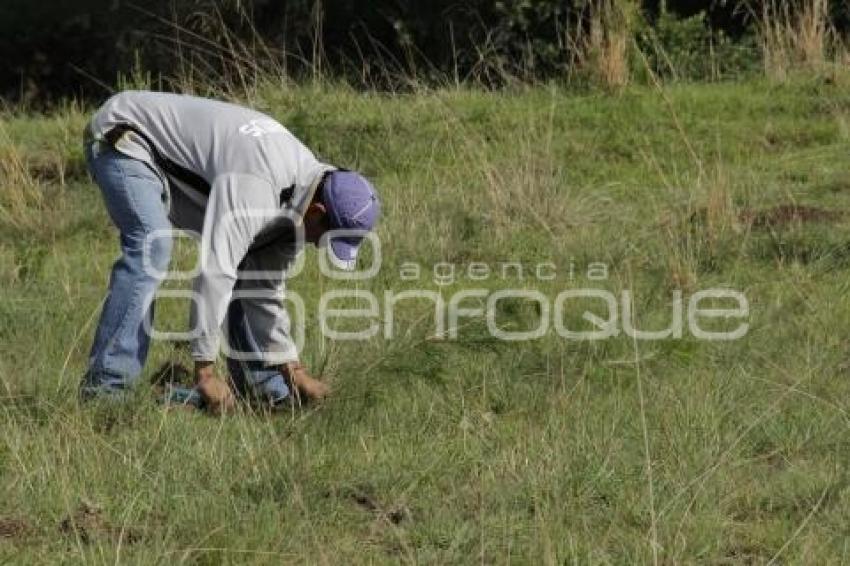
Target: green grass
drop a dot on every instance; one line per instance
(473, 450)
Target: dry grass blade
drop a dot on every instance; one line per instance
(795, 36)
(20, 192)
(603, 39)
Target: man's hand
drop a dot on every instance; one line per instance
(204, 371)
(304, 387)
(217, 394)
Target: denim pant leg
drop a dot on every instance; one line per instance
(135, 199)
(251, 376)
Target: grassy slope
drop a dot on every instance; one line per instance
(476, 449)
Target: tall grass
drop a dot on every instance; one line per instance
(596, 43)
(34, 174)
(604, 51)
(795, 35)
(20, 191)
(472, 450)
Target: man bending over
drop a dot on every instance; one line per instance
(253, 194)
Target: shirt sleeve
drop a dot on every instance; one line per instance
(261, 292)
(239, 206)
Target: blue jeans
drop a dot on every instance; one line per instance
(251, 378)
(136, 200)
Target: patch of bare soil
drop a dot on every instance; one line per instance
(784, 214)
(395, 513)
(87, 523)
(15, 528)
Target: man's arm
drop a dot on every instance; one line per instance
(261, 293)
(239, 207)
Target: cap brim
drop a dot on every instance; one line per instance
(342, 252)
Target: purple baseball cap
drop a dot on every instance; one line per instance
(351, 204)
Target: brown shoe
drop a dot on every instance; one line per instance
(305, 388)
(217, 395)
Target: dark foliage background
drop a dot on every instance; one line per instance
(52, 49)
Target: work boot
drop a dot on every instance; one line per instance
(305, 388)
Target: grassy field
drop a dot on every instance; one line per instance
(472, 449)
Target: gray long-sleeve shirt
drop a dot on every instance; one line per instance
(256, 173)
